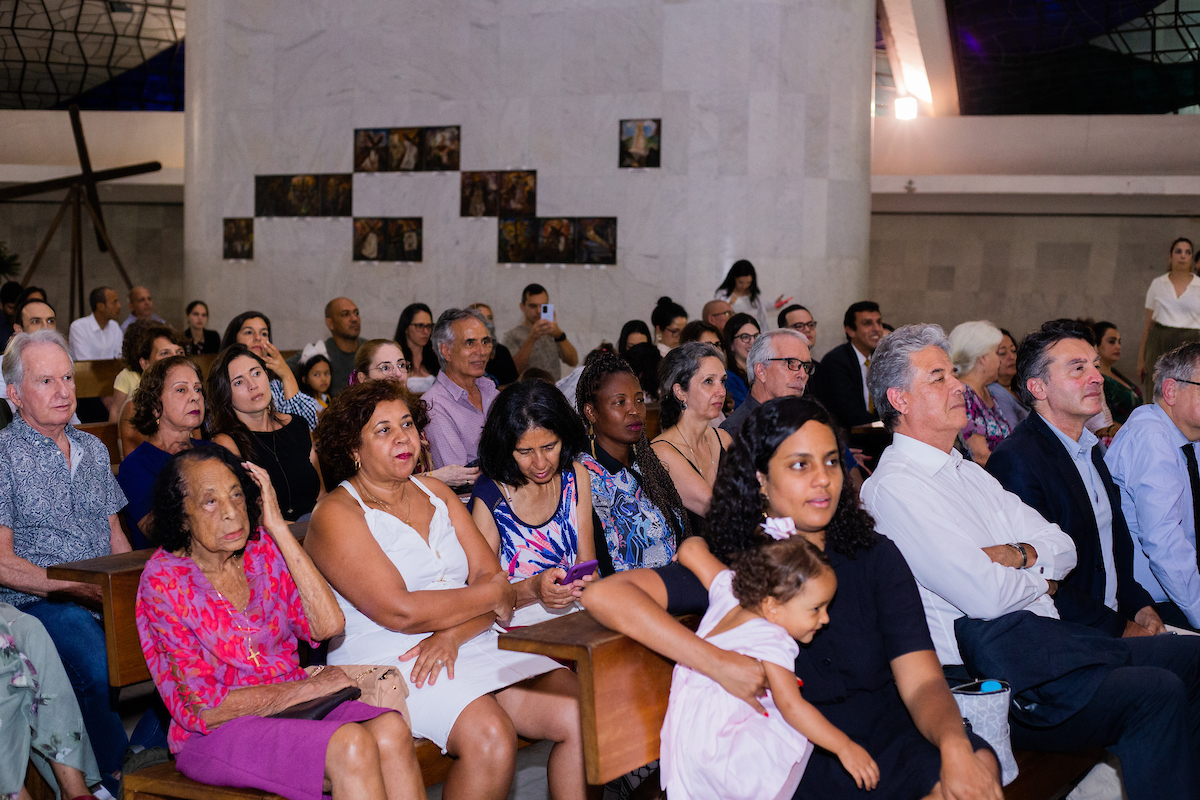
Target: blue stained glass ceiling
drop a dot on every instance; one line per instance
(1076, 56)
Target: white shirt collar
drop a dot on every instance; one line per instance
(926, 456)
(862, 360)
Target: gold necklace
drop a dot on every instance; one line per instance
(403, 517)
(708, 453)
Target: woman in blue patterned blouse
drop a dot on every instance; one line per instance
(526, 457)
(638, 518)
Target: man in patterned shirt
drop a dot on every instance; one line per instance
(59, 503)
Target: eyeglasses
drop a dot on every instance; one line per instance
(388, 368)
(422, 326)
(796, 364)
(804, 326)
(746, 338)
(1181, 380)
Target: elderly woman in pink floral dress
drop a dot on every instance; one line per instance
(219, 613)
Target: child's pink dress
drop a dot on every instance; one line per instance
(713, 744)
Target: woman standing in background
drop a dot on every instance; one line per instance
(1172, 312)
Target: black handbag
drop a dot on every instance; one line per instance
(319, 707)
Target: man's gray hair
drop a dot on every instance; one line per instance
(763, 349)
(14, 354)
(891, 365)
(1179, 364)
(442, 333)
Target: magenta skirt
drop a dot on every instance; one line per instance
(283, 756)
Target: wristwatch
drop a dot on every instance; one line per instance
(1024, 553)
(562, 337)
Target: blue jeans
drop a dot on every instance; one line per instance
(80, 642)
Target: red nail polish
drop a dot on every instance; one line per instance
(765, 714)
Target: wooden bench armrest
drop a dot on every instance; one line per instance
(623, 689)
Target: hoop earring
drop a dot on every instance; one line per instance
(357, 465)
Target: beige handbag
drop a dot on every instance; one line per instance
(381, 686)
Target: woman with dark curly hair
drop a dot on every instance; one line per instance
(221, 606)
(168, 409)
(414, 331)
(383, 360)
(527, 456)
(691, 393)
(638, 518)
(243, 419)
(873, 672)
(421, 590)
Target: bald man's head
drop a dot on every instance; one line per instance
(342, 319)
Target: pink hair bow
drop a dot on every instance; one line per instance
(779, 528)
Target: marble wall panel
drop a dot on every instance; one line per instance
(765, 148)
(1020, 271)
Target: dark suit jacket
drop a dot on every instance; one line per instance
(1033, 464)
(838, 384)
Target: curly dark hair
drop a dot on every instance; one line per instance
(147, 398)
(339, 430)
(600, 365)
(521, 407)
(169, 527)
(775, 569)
(219, 401)
(138, 343)
(429, 359)
(737, 509)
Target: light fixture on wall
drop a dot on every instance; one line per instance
(906, 108)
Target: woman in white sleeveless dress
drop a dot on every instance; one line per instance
(421, 589)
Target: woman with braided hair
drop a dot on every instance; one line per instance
(638, 519)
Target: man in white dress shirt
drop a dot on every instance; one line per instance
(979, 553)
(98, 336)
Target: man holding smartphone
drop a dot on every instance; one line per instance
(539, 342)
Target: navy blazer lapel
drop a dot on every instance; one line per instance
(1074, 481)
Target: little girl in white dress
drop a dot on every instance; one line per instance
(714, 745)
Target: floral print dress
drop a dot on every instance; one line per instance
(981, 419)
(39, 715)
(199, 646)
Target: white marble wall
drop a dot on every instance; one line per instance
(765, 151)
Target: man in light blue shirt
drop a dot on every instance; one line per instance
(1149, 462)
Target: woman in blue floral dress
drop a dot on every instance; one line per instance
(527, 455)
(39, 716)
(638, 517)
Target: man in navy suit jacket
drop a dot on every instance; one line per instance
(839, 384)
(1054, 464)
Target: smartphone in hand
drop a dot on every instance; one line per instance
(548, 311)
(579, 571)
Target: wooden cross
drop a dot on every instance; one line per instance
(81, 194)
